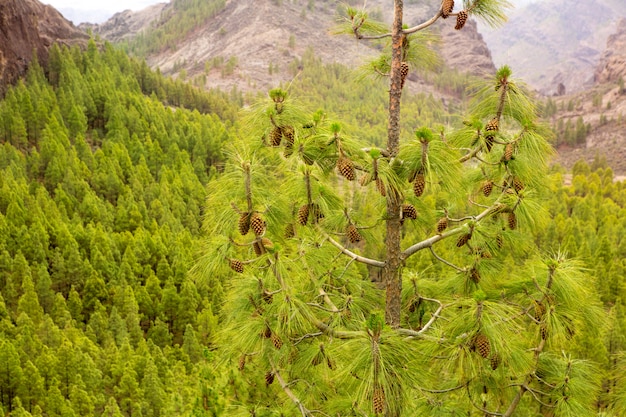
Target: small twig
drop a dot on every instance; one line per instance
(435, 316)
(443, 391)
(450, 264)
(470, 155)
(476, 204)
(383, 152)
(303, 410)
(532, 392)
(436, 238)
(307, 336)
(362, 259)
(486, 162)
(329, 310)
(327, 300)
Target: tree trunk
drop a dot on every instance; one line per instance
(392, 273)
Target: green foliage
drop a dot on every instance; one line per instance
(296, 309)
(100, 211)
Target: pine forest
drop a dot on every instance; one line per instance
(335, 246)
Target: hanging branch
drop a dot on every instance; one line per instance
(329, 331)
(303, 410)
(443, 391)
(358, 258)
(524, 387)
(450, 264)
(411, 250)
(435, 316)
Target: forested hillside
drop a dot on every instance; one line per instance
(101, 193)
(106, 172)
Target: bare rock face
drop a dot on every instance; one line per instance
(465, 49)
(127, 24)
(612, 64)
(27, 27)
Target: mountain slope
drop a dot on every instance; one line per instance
(258, 45)
(600, 110)
(27, 25)
(556, 41)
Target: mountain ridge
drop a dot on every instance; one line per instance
(273, 37)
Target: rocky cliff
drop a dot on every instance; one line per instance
(127, 24)
(612, 64)
(28, 26)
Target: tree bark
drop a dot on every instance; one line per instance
(392, 273)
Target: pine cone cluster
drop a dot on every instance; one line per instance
(276, 136)
(474, 275)
(463, 239)
(512, 220)
(508, 152)
(303, 214)
(257, 224)
(482, 345)
(446, 8)
(419, 184)
(461, 18)
(492, 126)
(490, 129)
(442, 224)
(404, 72)
(244, 223)
(378, 400)
(409, 211)
(353, 234)
(345, 166)
(290, 231)
(236, 265)
(276, 341)
(495, 361)
(289, 135)
(487, 188)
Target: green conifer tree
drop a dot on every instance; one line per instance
(472, 317)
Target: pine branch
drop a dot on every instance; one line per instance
(444, 391)
(329, 331)
(450, 264)
(411, 250)
(303, 410)
(435, 316)
(552, 266)
(358, 258)
(424, 25)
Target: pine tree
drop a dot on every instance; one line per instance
(433, 329)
